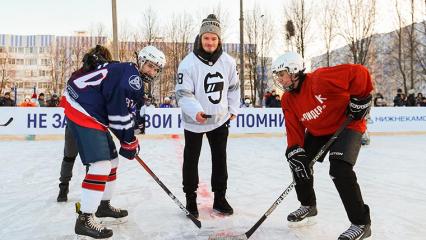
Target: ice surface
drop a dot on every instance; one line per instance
(390, 171)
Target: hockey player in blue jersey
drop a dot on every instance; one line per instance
(106, 98)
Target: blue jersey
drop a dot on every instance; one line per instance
(105, 98)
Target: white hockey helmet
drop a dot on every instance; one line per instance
(153, 55)
(290, 62)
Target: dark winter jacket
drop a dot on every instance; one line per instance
(6, 102)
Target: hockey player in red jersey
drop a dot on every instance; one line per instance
(314, 106)
(106, 98)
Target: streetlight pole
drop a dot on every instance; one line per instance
(241, 50)
(114, 30)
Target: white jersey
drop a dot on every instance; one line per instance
(213, 90)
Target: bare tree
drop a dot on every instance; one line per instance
(357, 24)
(400, 46)
(150, 27)
(409, 59)
(98, 30)
(328, 22)
(179, 34)
(266, 37)
(126, 48)
(259, 30)
(299, 12)
(252, 26)
(150, 30)
(59, 65)
(4, 70)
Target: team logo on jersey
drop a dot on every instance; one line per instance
(135, 82)
(320, 99)
(213, 86)
(316, 112)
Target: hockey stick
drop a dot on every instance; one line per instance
(7, 123)
(181, 206)
(323, 149)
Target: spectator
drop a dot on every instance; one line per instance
(54, 101)
(271, 98)
(398, 101)
(27, 102)
(423, 103)
(379, 101)
(41, 101)
(411, 99)
(34, 99)
(6, 100)
(167, 103)
(275, 101)
(267, 98)
(419, 99)
(247, 103)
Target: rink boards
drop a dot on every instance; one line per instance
(41, 121)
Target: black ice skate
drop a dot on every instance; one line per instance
(108, 214)
(221, 205)
(356, 232)
(191, 204)
(86, 227)
(303, 216)
(63, 192)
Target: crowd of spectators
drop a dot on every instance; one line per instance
(30, 101)
(401, 99)
(271, 100)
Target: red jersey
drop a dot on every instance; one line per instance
(320, 105)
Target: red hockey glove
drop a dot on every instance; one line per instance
(129, 150)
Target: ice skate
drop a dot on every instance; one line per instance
(86, 227)
(303, 216)
(109, 215)
(356, 232)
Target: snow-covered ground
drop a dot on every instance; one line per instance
(390, 171)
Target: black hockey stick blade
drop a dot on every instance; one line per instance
(7, 123)
(250, 232)
(171, 195)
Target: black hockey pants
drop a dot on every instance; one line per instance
(343, 156)
(70, 153)
(193, 141)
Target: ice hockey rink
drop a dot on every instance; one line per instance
(390, 171)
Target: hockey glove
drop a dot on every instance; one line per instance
(139, 124)
(129, 150)
(359, 107)
(299, 163)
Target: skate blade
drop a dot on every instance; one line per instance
(83, 237)
(216, 213)
(106, 221)
(305, 222)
